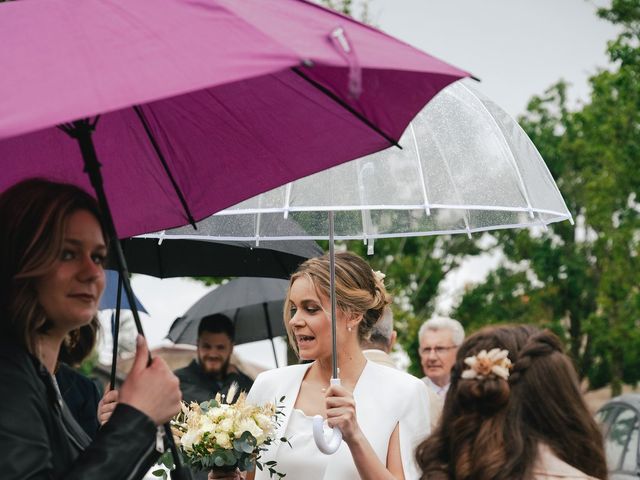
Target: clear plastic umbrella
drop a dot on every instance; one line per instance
(465, 166)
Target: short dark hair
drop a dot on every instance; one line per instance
(217, 323)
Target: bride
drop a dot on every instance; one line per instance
(383, 413)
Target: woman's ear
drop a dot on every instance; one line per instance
(354, 319)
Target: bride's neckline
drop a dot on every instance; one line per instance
(355, 386)
(326, 381)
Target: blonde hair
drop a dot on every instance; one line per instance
(358, 290)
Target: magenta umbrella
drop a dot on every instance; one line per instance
(194, 106)
(200, 104)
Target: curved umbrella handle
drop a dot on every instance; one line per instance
(331, 445)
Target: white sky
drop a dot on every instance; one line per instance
(518, 48)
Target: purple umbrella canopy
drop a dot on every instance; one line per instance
(199, 105)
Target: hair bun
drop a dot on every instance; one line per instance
(483, 395)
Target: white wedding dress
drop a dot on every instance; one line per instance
(384, 399)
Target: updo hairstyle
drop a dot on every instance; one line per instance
(358, 289)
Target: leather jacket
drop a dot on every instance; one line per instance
(39, 438)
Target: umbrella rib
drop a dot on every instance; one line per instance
(346, 106)
(156, 148)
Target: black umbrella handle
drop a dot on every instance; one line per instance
(82, 130)
(115, 333)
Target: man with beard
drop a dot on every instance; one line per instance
(211, 371)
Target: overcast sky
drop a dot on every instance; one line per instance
(518, 48)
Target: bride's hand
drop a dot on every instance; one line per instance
(341, 412)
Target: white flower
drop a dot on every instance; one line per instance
(226, 425)
(223, 439)
(249, 425)
(379, 275)
(264, 422)
(205, 426)
(189, 438)
(485, 363)
(215, 413)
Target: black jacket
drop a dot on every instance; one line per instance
(81, 395)
(197, 386)
(39, 439)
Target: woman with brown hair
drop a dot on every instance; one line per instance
(52, 251)
(514, 411)
(383, 413)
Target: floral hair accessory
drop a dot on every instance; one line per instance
(379, 275)
(485, 363)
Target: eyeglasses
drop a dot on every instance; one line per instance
(437, 350)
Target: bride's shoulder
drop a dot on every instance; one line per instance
(282, 372)
(387, 375)
(277, 382)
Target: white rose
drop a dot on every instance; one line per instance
(223, 440)
(264, 422)
(189, 438)
(206, 425)
(249, 425)
(225, 425)
(215, 413)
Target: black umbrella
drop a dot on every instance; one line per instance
(165, 258)
(254, 305)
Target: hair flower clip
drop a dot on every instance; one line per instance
(485, 363)
(379, 275)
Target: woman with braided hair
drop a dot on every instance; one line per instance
(514, 411)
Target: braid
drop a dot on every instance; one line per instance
(539, 345)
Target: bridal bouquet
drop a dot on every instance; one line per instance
(224, 436)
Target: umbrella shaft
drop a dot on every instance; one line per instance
(332, 287)
(82, 131)
(115, 331)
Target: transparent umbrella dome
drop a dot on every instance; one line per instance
(465, 166)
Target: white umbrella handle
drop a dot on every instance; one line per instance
(331, 445)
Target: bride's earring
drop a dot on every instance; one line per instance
(349, 328)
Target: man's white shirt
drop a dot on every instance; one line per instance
(437, 389)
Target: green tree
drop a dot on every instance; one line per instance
(582, 282)
(414, 268)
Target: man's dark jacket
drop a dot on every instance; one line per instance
(199, 387)
(40, 439)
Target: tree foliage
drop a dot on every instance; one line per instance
(582, 281)
(414, 268)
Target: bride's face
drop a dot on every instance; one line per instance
(310, 321)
